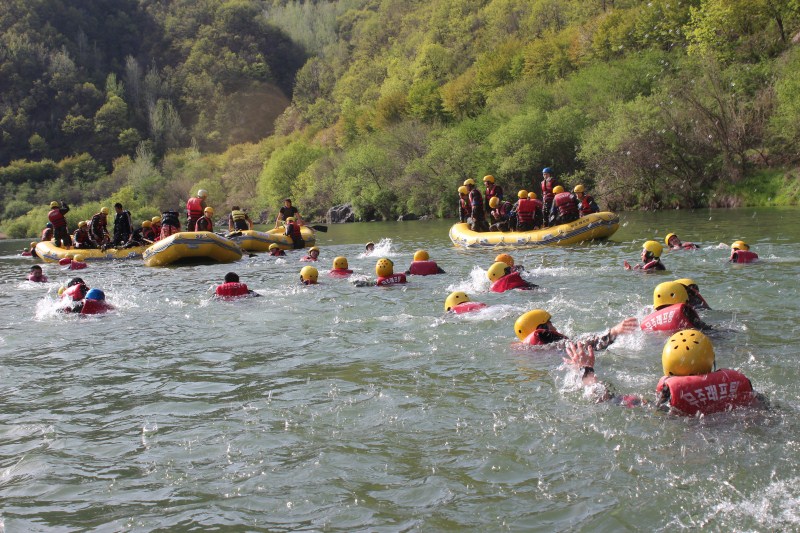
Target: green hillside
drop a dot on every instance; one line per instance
(391, 104)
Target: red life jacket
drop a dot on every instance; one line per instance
(508, 282)
(308, 258)
(391, 280)
(77, 265)
(47, 234)
(57, 218)
(340, 272)
(671, 318)
(541, 337)
(526, 209)
(204, 224)
(156, 227)
(547, 190)
(194, 208)
(467, 307)
(708, 393)
(654, 265)
(64, 261)
(743, 256)
(95, 307)
(232, 289)
(80, 236)
(423, 268)
(566, 204)
(464, 207)
(76, 292)
(476, 203)
(294, 231)
(689, 246)
(585, 206)
(41, 279)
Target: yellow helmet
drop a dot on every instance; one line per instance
(340, 263)
(54, 204)
(740, 245)
(497, 271)
(273, 246)
(209, 211)
(33, 245)
(384, 268)
(578, 188)
(532, 196)
(82, 224)
(421, 255)
(686, 282)
(469, 181)
(505, 258)
(104, 210)
(79, 258)
(463, 190)
(669, 293)
(202, 193)
(147, 224)
(668, 237)
(494, 201)
(654, 248)
(289, 219)
(313, 249)
(530, 322)
(558, 189)
(455, 298)
(687, 353)
(522, 194)
(488, 178)
(309, 273)
(156, 219)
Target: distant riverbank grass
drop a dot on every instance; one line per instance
(768, 187)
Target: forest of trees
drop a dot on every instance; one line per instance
(391, 104)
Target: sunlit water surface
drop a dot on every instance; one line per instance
(338, 408)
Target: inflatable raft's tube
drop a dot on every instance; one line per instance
(50, 253)
(196, 246)
(594, 226)
(259, 241)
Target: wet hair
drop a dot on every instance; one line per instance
(235, 208)
(231, 277)
(287, 200)
(76, 281)
(36, 268)
(117, 205)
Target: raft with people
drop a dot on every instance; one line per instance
(259, 241)
(50, 253)
(192, 247)
(590, 227)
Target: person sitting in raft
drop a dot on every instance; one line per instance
(459, 303)
(740, 253)
(232, 288)
(422, 265)
(384, 269)
(47, 232)
(82, 239)
(78, 263)
(369, 247)
(95, 303)
(492, 191)
(205, 222)
(507, 259)
(293, 231)
(689, 386)
(275, 251)
(98, 228)
(340, 268)
(535, 328)
(696, 299)
(537, 204)
(238, 220)
(309, 275)
(504, 279)
(565, 207)
(463, 204)
(503, 214)
(586, 204)
(144, 235)
(156, 226)
(674, 243)
(170, 224)
(36, 275)
(651, 258)
(672, 310)
(526, 211)
(313, 254)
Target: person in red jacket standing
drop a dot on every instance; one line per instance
(59, 222)
(194, 209)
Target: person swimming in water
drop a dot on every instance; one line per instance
(651, 258)
(535, 328)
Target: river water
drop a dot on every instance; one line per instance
(338, 408)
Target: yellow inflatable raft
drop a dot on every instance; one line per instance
(594, 226)
(192, 246)
(259, 241)
(50, 253)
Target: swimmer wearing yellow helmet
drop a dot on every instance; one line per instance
(674, 243)
(313, 254)
(689, 385)
(651, 258)
(536, 329)
(503, 278)
(276, 251)
(740, 253)
(423, 266)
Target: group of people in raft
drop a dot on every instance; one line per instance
(556, 206)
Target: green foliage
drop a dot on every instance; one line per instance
(277, 180)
